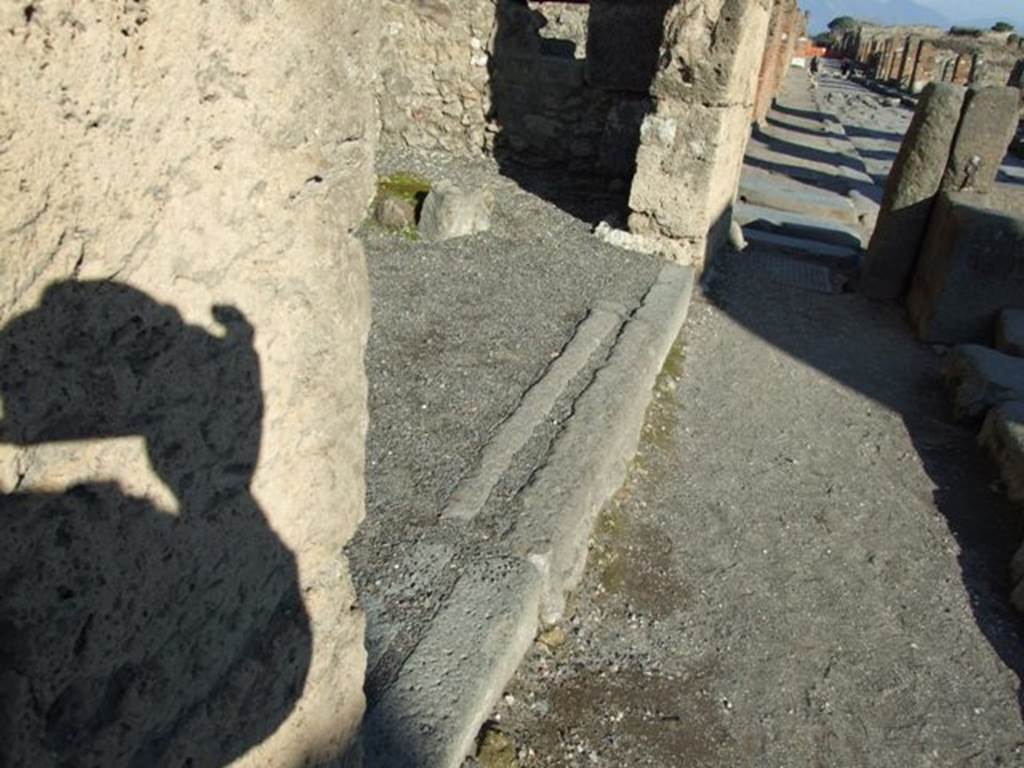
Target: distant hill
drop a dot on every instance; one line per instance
(880, 11)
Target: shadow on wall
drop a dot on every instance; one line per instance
(867, 346)
(570, 127)
(130, 636)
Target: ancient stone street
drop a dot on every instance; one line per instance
(804, 567)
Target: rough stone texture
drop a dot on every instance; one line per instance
(1010, 332)
(451, 212)
(970, 268)
(546, 111)
(910, 191)
(395, 213)
(565, 26)
(434, 88)
(691, 149)
(183, 313)
(980, 378)
(989, 122)
(1003, 437)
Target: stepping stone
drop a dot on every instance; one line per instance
(1003, 437)
(980, 378)
(1010, 332)
(797, 225)
(759, 188)
(802, 246)
(967, 272)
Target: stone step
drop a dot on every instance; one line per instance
(802, 246)
(760, 188)
(798, 225)
(980, 378)
(1010, 332)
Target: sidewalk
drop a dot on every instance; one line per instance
(509, 372)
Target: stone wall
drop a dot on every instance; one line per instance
(547, 111)
(183, 313)
(434, 88)
(692, 145)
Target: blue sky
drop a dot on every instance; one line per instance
(939, 12)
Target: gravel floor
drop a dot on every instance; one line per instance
(460, 330)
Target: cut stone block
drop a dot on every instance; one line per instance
(395, 213)
(1003, 437)
(797, 225)
(913, 182)
(763, 189)
(1010, 332)
(971, 267)
(449, 212)
(980, 378)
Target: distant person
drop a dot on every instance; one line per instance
(845, 68)
(815, 66)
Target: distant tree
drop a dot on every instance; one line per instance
(965, 32)
(1002, 26)
(842, 24)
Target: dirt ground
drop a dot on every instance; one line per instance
(807, 566)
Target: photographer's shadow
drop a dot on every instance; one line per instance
(129, 635)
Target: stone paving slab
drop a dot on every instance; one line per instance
(761, 188)
(797, 225)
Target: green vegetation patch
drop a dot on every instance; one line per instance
(405, 186)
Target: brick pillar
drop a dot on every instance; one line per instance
(962, 69)
(910, 49)
(924, 68)
(896, 59)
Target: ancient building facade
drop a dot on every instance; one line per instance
(653, 97)
(912, 57)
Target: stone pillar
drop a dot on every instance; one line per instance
(988, 123)
(924, 67)
(692, 146)
(182, 321)
(910, 190)
(1017, 76)
(956, 142)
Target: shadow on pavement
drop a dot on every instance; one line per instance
(868, 346)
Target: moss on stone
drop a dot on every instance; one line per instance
(405, 186)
